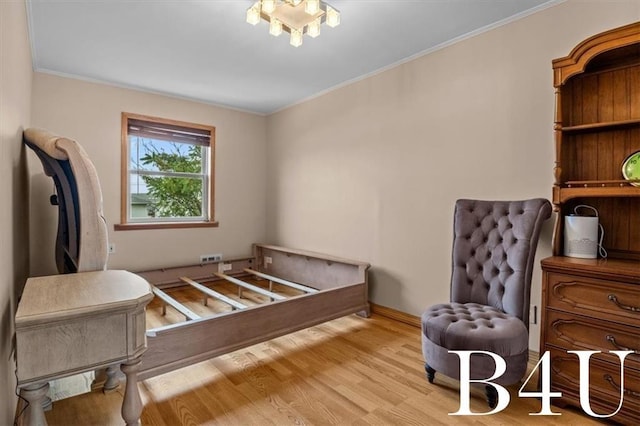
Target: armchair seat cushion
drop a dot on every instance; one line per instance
(472, 326)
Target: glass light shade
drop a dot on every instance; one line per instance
(275, 27)
(333, 17)
(268, 6)
(313, 29)
(298, 17)
(296, 38)
(253, 14)
(312, 7)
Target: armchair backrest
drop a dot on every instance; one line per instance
(494, 247)
(82, 240)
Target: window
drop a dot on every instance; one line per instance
(167, 169)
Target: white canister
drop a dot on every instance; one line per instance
(581, 235)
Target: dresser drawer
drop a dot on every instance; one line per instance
(578, 333)
(593, 297)
(604, 386)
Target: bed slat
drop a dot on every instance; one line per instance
(251, 287)
(281, 281)
(175, 304)
(213, 293)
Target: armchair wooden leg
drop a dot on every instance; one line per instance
(492, 396)
(431, 373)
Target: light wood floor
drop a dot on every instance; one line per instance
(348, 371)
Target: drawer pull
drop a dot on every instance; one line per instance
(612, 340)
(613, 298)
(614, 385)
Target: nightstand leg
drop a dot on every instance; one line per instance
(112, 381)
(132, 404)
(35, 394)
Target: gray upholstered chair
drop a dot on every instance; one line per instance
(494, 247)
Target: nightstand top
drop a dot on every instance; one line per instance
(57, 297)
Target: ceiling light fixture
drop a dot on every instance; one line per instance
(297, 17)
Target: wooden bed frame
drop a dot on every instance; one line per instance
(328, 287)
(333, 287)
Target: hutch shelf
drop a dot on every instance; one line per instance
(594, 304)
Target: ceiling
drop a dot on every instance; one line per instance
(204, 50)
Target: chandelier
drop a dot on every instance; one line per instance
(297, 17)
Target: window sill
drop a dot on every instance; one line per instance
(163, 225)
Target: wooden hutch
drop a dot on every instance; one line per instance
(594, 304)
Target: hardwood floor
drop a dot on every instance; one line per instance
(348, 371)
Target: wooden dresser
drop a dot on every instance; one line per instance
(594, 304)
(71, 323)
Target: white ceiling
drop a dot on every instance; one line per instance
(205, 51)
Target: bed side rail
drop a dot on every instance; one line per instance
(175, 346)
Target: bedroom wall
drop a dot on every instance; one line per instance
(371, 170)
(90, 113)
(15, 111)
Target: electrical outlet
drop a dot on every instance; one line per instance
(267, 261)
(112, 248)
(533, 314)
(210, 258)
(224, 267)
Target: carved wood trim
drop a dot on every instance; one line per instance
(608, 378)
(580, 56)
(611, 297)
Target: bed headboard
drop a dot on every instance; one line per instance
(82, 240)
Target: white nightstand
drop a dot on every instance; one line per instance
(72, 323)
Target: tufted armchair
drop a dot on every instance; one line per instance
(493, 257)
